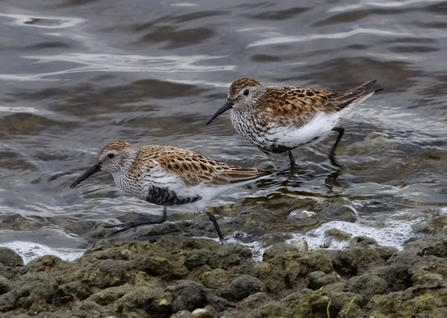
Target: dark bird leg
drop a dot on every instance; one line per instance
(331, 155)
(292, 160)
(126, 226)
(216, 226)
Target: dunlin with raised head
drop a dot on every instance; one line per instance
(279, 119)
(168, 176)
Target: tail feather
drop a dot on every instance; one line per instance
(355, 95)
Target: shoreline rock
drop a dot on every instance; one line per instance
(179, 276)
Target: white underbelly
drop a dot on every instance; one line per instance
(290, 136)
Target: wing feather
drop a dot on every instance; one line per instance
(299, 105)
(194, 168)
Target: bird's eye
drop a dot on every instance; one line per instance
(246, 92)
(111, 155)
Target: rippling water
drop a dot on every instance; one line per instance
(77, 74)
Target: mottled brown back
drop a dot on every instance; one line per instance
(195, 168)
(299, 105)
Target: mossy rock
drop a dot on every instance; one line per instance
(5, 285)
(242, 287)
(145, 301)
(412, 302)
(10, 258)
(215, 279)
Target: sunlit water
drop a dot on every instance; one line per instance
(77, 74)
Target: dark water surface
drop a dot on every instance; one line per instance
(77, 74)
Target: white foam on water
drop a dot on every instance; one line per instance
(394, 233)
(29, 251)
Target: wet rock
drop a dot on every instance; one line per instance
(413, 302)
(5, 285)
(10, 258)
(188, 295)
(430, 246)
(427, 279)
(371, 143)
(202, 313)
(318, 279)
(75, 290)
(197, 258)
(34, 291)
(116, 278)
(230, 255)
(144, 300)
(269, 239)
(258, 305)
(367, 285)
(215, 279)
(397, 276)
(338, 235)
(183, 314)
(247, 224)
(295, 261)
(352, 309)
(110, 295)
(242, 287)
(302, 217)
(88, 308)
(104, 273)
(160, 266)
(318, 303)
(361, 254)
(285, 267)
(46, 263)
(301, 245)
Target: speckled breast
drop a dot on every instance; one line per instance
(257, 132)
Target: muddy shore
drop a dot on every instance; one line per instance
(179, 276)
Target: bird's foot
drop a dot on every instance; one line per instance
(222, 240)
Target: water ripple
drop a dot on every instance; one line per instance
(339, 35)
(121, 63)
(45, 22)
(383, 4)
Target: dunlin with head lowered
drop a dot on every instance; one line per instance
(279, 119)
(168, 176)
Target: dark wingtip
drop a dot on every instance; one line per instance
(368, 86)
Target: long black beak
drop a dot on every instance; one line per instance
(87, 174)
(228, 105)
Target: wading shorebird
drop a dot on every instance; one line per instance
(167, 176)
(279, 119)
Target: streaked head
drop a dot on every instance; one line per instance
(242, 93)
(112, 158)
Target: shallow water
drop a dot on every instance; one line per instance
(77, 74)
